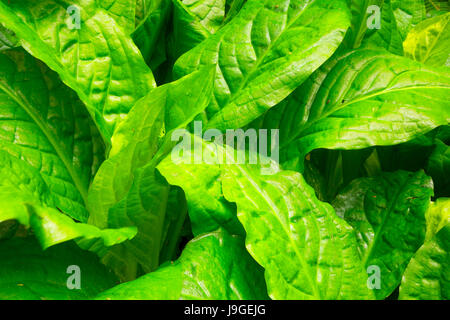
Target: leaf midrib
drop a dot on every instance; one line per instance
(362, 27)
(333, 110)
(261, 59)
(47, 54)
(59, 151)
(380, 228)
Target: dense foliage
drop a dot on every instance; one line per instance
(92, 93)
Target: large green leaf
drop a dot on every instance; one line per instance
(212, 266)
(51, 227)
(267, 50)
(29, 273)
(98, 60)
(388, 215)
(44, 123)
(25, 197)
(428, 274)
(127, 191)
(138, 138)
(306, 250)
(429, 41)
(358, 100)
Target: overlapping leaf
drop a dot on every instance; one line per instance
(306, 250)
(127, 190)
(25, 197)
(45, 124)
(95, 58)
(264, 53)
(361, 99)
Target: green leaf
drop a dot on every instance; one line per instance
(194, 21)
(315, 179)
(214, 266)
(358, 100)
(122, 11)
(267, 50)
(51, 227)
(414, 154)
(429, 41)
(428, 273)
(45, 124)
(137, 139)
(306, 250)
(388, 215)
(127, 191)
(208, 13)
(388, 36)
(25, 197)
(97, 60)
(28, 273)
